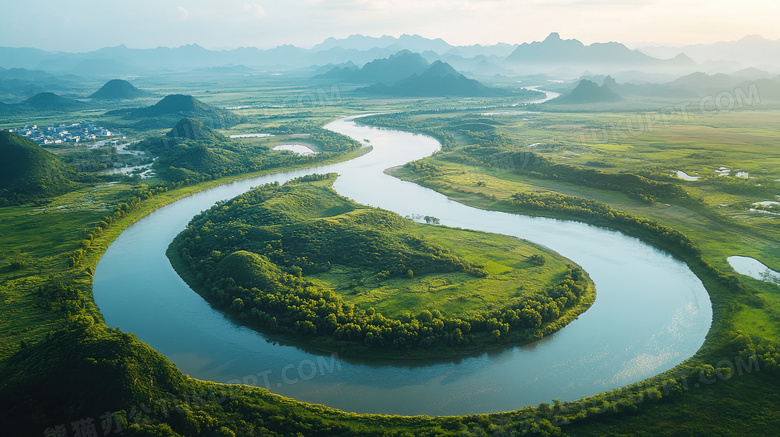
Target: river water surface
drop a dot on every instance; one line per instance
(650, 314)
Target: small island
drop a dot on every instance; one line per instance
(300, 262)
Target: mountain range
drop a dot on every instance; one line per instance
(555, 53)
(357, 49)
(752, 50)
(391, 69)
(25, 72)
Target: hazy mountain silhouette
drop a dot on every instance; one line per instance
(414, 43)
(438, 80)
(588, 92)
(704, 83)
(358, 49)
(751, 50)
(398, 66)
(48, 101)
(555, 52)
(643, 89)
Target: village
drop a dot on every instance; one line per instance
(73, 133)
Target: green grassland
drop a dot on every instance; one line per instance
(362, 280)
(511, 276)
(713, 215)
(59, 362)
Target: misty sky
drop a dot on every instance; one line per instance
(81, 25)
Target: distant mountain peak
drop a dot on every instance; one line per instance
(53, 102)
(415, 43)
(397, 66)
(556, 52)
(588, 91)
(441, 69)
(117, 89)
(438, 80)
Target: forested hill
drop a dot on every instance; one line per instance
(192, 152)
(28, 172)
(172, 108)
(118, 89)
(302, 261)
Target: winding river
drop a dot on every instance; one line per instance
(651, 312)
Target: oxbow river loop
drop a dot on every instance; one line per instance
(650, 314)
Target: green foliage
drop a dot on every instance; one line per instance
(424, 169)
(172, 108)
(537, 259)
(595, 210)
(533, 164)
(253, 256)
(117, 89)
(191, 152)
(28, 172)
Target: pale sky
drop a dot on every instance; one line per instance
(82, 25)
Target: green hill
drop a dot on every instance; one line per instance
(300, 260)
(52, 382)
(587, 92)
(192, 129)
(174, 107)
(438, 80)
(192, 152)
(28, 172)
(117, 89)
(52, 102)
(198, 159)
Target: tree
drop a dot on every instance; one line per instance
(237, 305)
(530, 318)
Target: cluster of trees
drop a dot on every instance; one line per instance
(424, 169)
(636, 186)
(193, 153)
(28, 173)
(494, 149)
(595, 211)
(260, 293)
(328, 141)
(743, 187)
(274, 221)
(250, 255)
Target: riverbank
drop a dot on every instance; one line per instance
(376, 285)
(622, 296)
